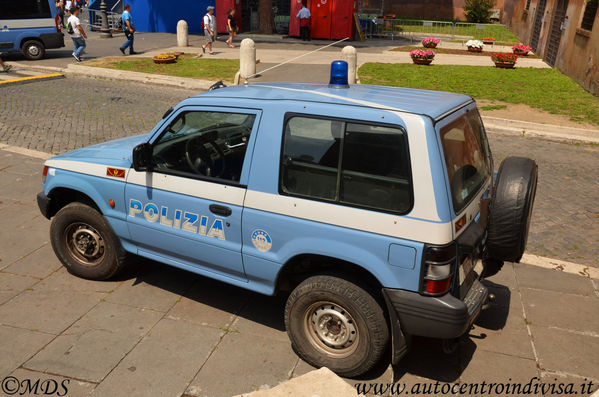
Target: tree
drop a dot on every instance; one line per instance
(478, 11)
(266, 19)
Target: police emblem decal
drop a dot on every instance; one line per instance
(261, 240)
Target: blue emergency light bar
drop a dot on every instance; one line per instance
(339, 74)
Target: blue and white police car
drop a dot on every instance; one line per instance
(375, 208)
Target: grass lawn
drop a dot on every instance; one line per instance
(186, 66)
(544, 89)
(455, 51)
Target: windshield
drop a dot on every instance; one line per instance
(466, 155)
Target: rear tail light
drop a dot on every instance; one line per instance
(57, 26)
(439, 264)
(44, 174)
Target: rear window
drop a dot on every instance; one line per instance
(466, 153)
(24, 9)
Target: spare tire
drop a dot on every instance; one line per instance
(510, 210)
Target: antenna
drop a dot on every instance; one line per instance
(292, 59)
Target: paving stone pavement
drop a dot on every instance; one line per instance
(61, 115)
(41, 116)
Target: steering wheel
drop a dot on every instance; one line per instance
(200, 159)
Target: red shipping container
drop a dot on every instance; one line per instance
(222, 9)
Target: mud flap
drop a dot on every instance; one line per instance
(399, 342)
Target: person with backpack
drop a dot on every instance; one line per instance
(209, 29)
(77, 33)
(129, 29)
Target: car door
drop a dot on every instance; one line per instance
(187, 210)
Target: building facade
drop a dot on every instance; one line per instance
(564, 32)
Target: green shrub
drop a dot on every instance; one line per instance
(478, 11)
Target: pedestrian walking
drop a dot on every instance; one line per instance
(5, 67)
(68, 5)
(231, 27)
(60, 12)
(77, 33)
(209, 29)
(129, 29)
(304, 20)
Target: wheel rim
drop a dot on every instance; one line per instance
(331, 329)
(85, 244)
(33, 50)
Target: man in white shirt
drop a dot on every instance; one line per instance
(209, 29)
(304, 18)
(76, 32)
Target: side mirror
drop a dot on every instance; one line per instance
(142, 157)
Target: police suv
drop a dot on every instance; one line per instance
(374, 208)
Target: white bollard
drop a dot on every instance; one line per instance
(350, 55)
(182, 34)
(247, 58)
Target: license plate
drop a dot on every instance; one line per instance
(467, 276)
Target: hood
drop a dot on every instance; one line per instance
(117, 152)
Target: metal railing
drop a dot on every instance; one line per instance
(415, 30)
(95, 19)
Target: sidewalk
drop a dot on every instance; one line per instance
(157, 330)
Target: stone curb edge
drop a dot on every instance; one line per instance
(495, 125)
(31, 79)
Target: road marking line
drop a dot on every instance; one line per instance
(25, 152)
(562, 266)
(31, 78)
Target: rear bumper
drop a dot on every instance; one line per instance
(443, 317)
(52, 40)
(43, 202)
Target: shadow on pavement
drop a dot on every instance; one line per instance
(425, 358)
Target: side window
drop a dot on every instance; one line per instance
(350, 163)
(375, 168)
(205, 144)
(24, 9)
(311, 157)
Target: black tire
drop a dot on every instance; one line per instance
(348, 313)
(510, 210)
(33, 50)
(99, 255)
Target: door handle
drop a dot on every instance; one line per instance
(220, 210)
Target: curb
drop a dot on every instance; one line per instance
(31, 79)
(551, 132)
(146, 78)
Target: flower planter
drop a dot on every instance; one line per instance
(170, 59)
(430, 45)
(520, 53)
(505, 65)
(422, 61)
(475, 49)
(488, 41)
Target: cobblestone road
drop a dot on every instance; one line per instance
(60, 115)
(47, 116)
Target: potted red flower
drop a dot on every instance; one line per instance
(521, 49)
(422, 57)
(430, 42)
(504, 60)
